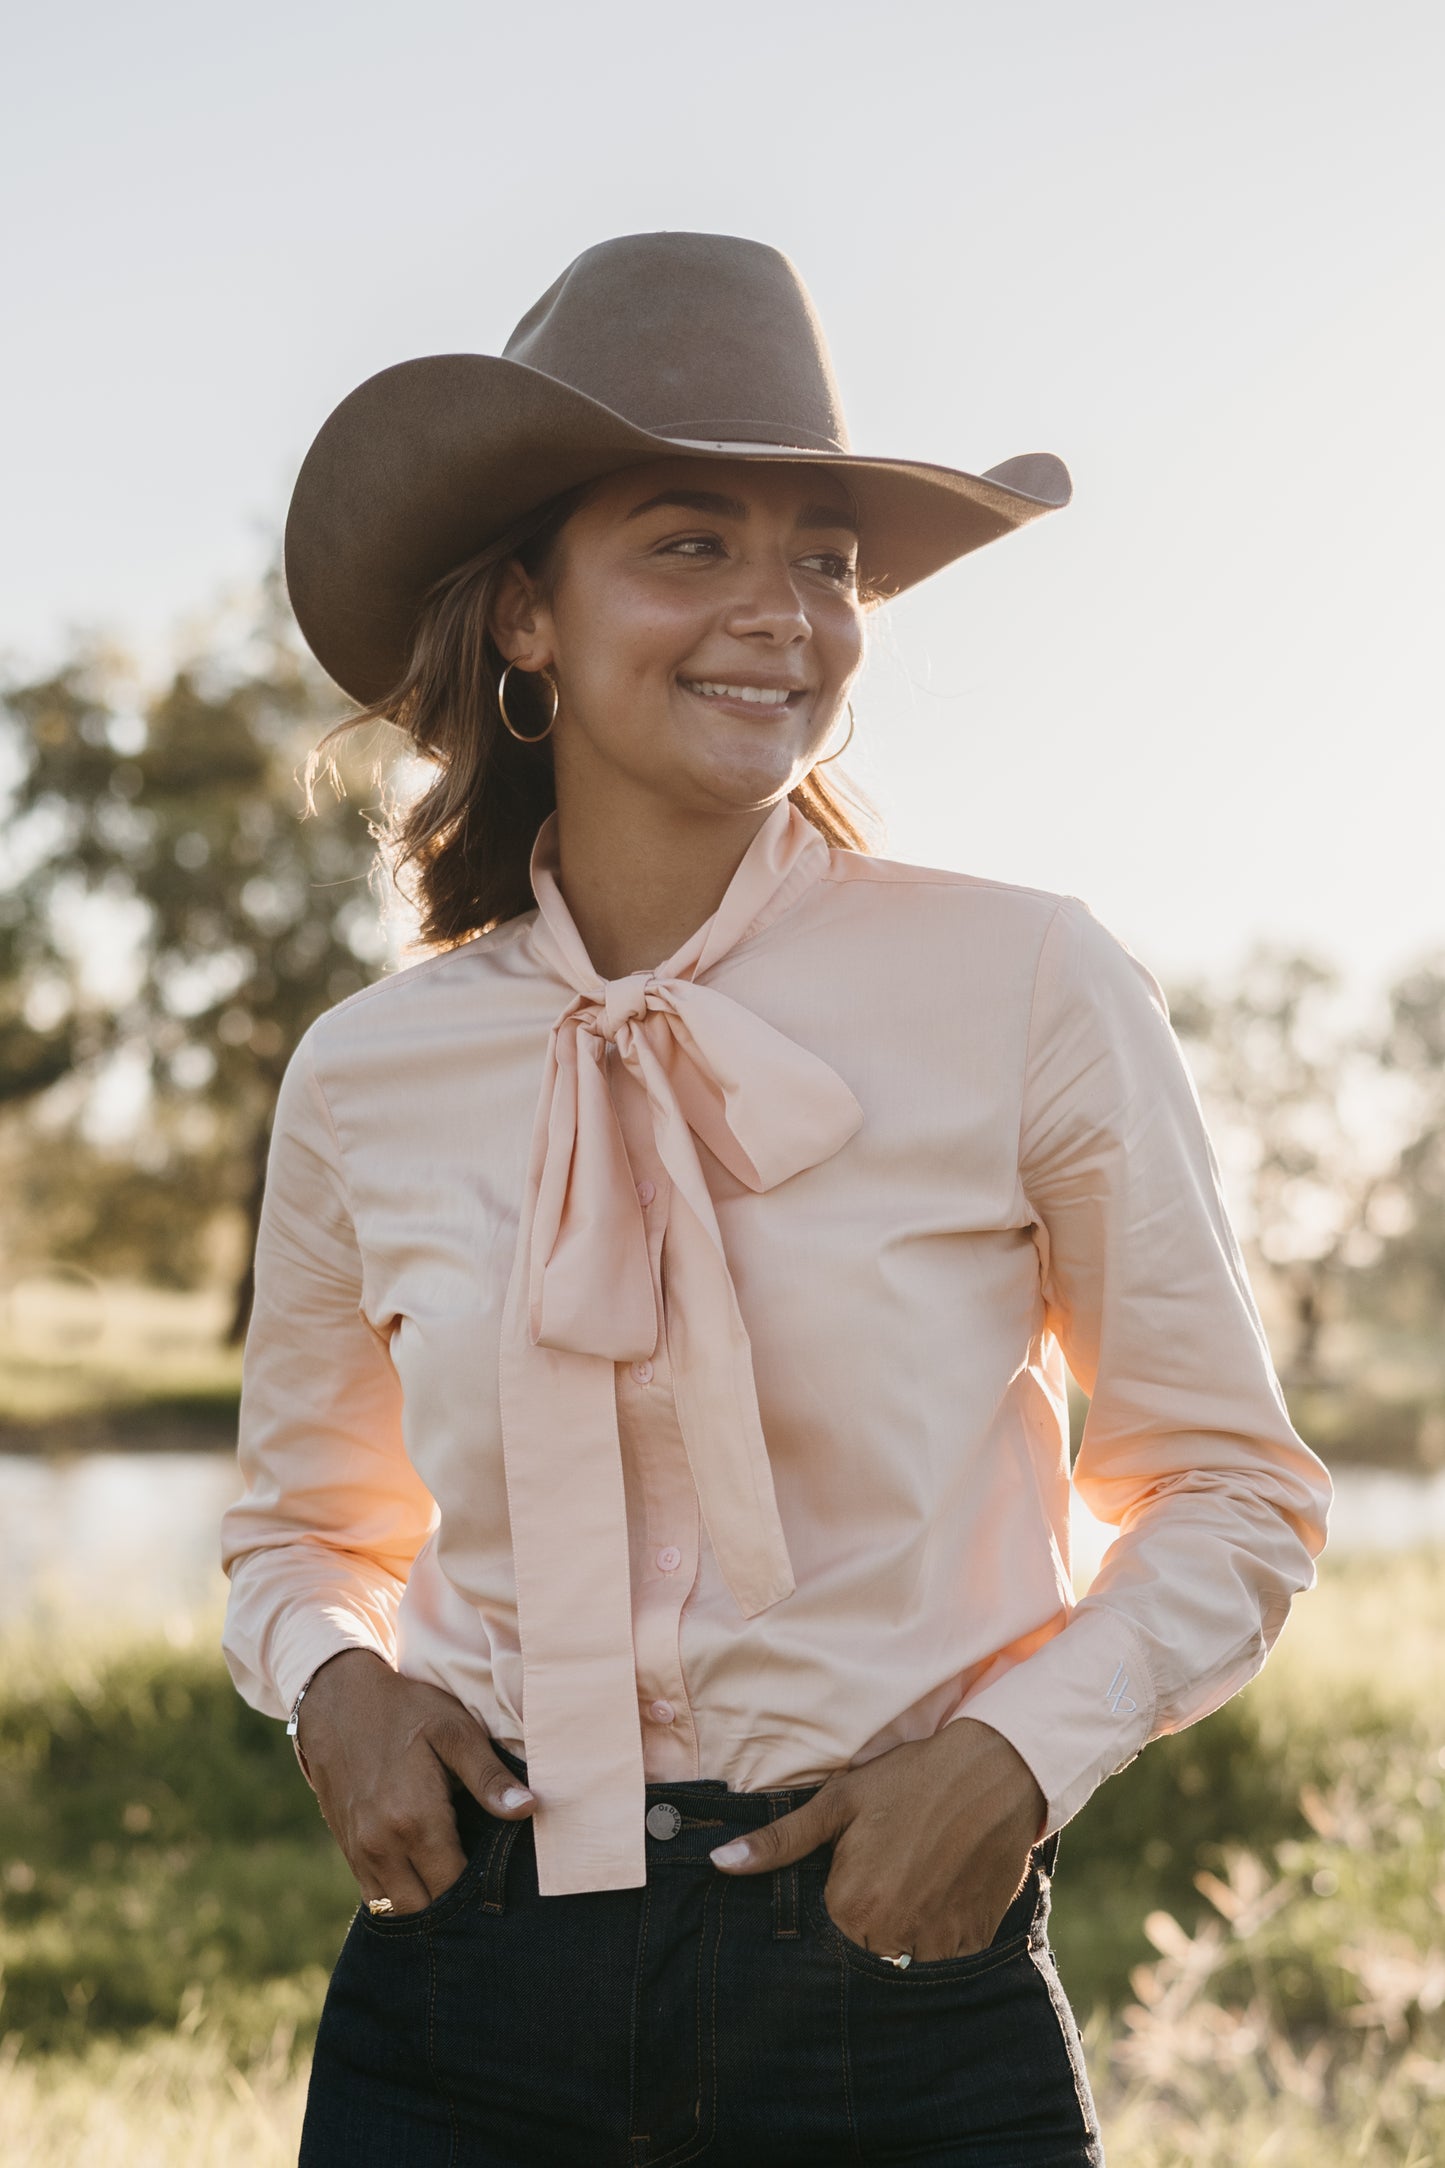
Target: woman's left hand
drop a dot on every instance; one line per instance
(931, 1842)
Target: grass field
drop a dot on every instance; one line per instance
(88, 1363)
(1248, 1918)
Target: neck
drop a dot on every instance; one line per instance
(639, 876)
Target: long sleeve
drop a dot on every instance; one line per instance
(1188, 1449)
(319, 1545)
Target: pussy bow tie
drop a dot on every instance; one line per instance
(581, 1300)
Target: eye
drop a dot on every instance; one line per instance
(835, 566)
(692, 545)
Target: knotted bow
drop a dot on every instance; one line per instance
(581, 1300)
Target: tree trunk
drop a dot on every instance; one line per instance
(1309, 1324)
(246, 1285)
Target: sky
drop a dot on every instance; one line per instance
(1195, 251)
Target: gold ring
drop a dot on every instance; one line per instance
(379, 1904)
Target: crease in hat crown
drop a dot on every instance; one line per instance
(690, 336)
(648, 345)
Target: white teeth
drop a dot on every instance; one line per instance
(759, 695)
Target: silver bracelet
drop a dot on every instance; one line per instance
(293, 1724)
(294, 1719)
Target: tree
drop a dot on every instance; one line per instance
(185, 821)
(1410, 1270)
(1307, 1125)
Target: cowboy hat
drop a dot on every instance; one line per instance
(650, 345)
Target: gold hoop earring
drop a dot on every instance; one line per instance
(846, 742)
(507, 723)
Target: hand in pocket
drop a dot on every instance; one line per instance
(381, 1752)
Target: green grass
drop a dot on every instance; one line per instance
(1357, 1675)
(159, 1845)
(1248, 1918)
(85, 1362)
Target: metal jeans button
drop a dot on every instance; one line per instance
(663, 1820)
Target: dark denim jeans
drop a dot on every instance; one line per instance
(705, 2018)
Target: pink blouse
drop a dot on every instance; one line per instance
(672, 1367)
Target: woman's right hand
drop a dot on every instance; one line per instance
(381, 1751)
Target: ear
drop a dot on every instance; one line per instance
(519, 621)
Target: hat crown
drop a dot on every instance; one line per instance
(698, 336)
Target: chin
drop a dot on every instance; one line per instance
(743, 790)
(757, 777)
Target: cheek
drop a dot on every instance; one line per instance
(841, 639)
(631, 636)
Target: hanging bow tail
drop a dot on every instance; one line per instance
(767, 1109)
(580, 1301)
(589, 1280)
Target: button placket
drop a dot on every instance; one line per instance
(665, 1494)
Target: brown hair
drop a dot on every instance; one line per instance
(468, 837)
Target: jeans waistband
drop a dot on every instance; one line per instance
(710, 1812)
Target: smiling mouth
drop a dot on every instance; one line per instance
(767, 697)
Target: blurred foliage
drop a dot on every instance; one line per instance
(89, 1365)
(1331, 1125)
(172, 832)
(172, 2099)
(1414, 1048)
(1303, 2019)
(160, 1846)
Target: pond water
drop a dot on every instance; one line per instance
(132, 1536)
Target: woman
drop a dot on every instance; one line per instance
(656, 1522)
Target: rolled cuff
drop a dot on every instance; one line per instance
(1078, 1710)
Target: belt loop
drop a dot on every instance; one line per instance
(785, 1883)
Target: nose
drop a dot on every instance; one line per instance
(768, 604)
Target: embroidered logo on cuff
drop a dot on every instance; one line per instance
(1120, 1700)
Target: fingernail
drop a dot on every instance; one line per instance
(516, 1796)
(730, 1855)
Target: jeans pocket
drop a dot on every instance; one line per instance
(485, 1861)
(1010, 1942)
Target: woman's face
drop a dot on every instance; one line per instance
(702, 624)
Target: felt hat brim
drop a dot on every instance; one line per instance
(431, 460)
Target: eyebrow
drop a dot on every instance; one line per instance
(707, 500)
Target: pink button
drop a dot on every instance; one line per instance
(662, 1712)
(646, 1191)
(643, 1373)
(669, 1558)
